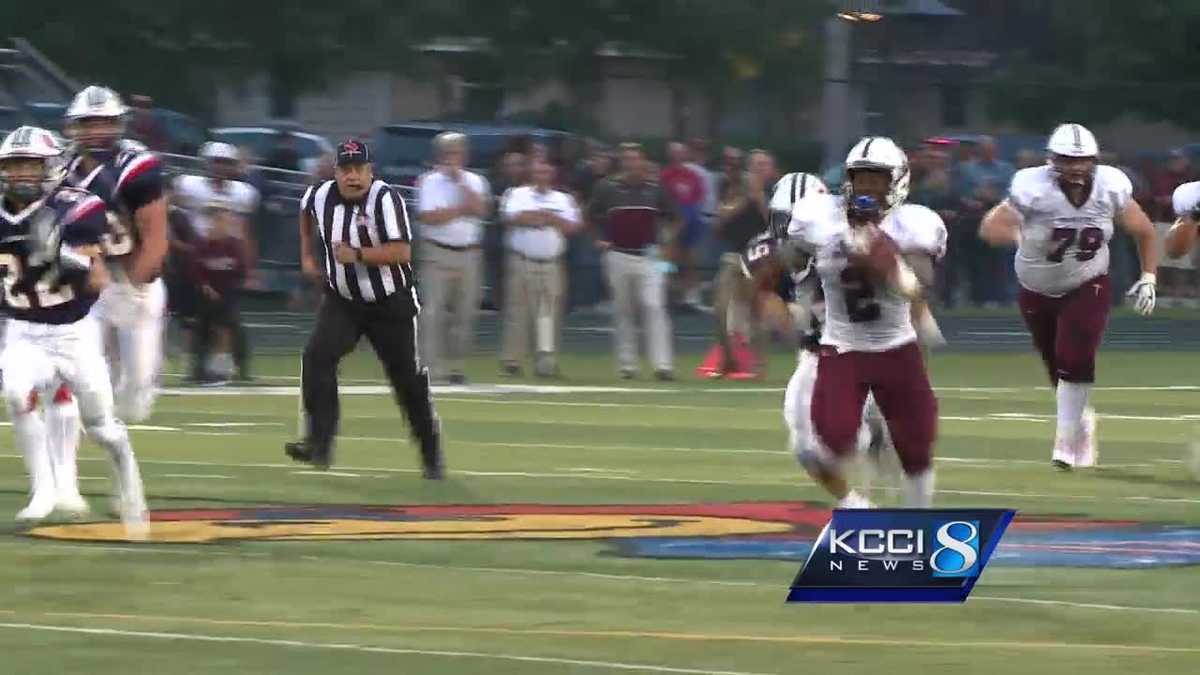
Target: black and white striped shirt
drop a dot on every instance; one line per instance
(380, 217)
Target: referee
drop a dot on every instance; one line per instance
(369, 290)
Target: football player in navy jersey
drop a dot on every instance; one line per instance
(129, 180)
(51, 267)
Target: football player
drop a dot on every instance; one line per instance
(772, 264)
(129, 180)
(1181, 238)
(1060, 216)
(52, 264)
(874, 256)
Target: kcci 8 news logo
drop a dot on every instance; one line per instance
(900, 555)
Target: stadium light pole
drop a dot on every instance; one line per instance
(839, 124)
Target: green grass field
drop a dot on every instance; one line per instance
(575, 605)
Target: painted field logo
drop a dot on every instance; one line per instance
(738, 530)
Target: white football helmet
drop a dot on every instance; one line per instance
(1072, 140)
(788, 190)
(1072, 153)
(32, 143)
(879, 153)
(96, 103)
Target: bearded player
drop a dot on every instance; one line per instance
(1060, 216)
(874, 255)
(51, 264)
(129, 180)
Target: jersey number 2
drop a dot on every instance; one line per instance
(861, 305)
(1090, 241)
(10, 275)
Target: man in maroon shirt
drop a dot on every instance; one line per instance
(218, 270)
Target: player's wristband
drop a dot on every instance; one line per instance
(358, 255)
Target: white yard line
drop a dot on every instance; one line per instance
(228, 639)
(201, 476)
(324, 561)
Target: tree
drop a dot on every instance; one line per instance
(1093, 60)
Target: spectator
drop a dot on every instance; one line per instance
(1029, 157)
(145, 127)
(452, 205)
(586, 285)
(698, 162)
(1177, 172)
(632, 215)
(934, 188)
(686, 187)
(512, 171)
(983, 182)
(742, 214)
(539, 219)
(217, 270)
(181, 239)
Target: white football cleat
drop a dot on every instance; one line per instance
(136, 519)
(1087, 452)
(40, 506)
(853, 500)
(72, 504)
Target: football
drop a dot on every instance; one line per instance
(878, 258)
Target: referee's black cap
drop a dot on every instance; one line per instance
(353, 151)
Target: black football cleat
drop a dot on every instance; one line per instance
(1060, 465)
(308, 453)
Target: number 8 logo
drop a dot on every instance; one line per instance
(959, 550)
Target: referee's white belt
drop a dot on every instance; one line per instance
(536, 259)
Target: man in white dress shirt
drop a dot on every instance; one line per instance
(539, 220)
(451, 206)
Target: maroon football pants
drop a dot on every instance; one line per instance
(901, 387)
(1067, 330)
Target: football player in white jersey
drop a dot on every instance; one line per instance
(221, 188)
(767, 258)
(1182, 236)
(52, 264)
(1060, 216)
(874, 255)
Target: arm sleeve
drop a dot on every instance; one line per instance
(85, 222)
(393, 216)
(511, 203)
(1120, 189)
(141, 181)
(427, 199)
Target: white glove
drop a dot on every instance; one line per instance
(1143, 294)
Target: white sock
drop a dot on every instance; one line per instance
(918, 489)
(30, 430)
(115, 440)
(1072, 398)
(62, 441)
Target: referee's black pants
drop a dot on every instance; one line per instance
(390, 326)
